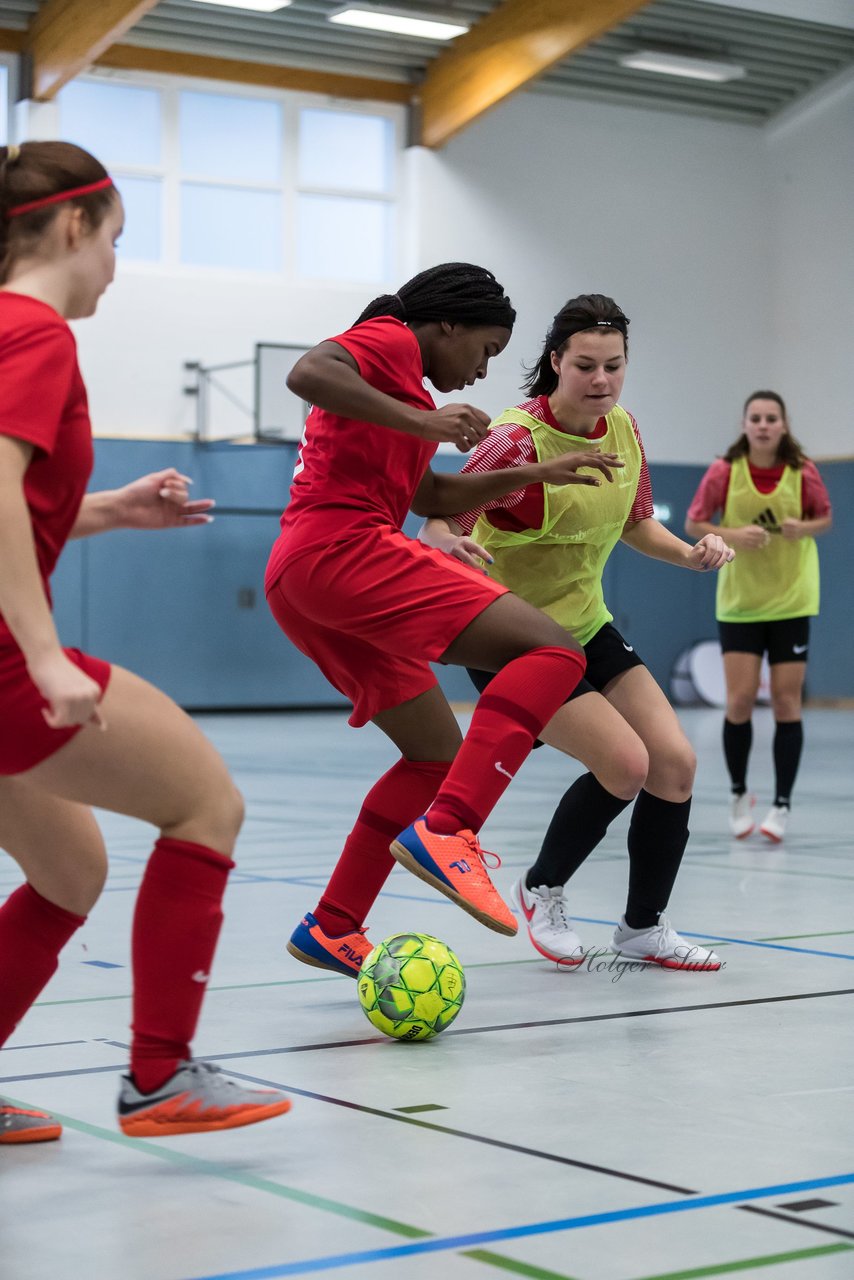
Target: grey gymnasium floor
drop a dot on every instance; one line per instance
(569, 1124)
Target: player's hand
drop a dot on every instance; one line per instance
(564, 470)
(160, 501)
(71, 695)
(711, 552)
(751, 537)
(792, 529)
(469, 552)
(458, 424)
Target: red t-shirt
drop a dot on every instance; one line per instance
(352, 475)
(43, 401)
(512, 445)
(714, 486)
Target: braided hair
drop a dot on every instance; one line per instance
(587, 311)
(33, 171)
(455, 291)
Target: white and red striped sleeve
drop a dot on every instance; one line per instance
(509, 445)
(642, 508)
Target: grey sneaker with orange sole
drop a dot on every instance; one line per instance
(25, 1124)
(198, 1098)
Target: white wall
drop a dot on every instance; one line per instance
(728, 246)
(812, 216)
(665, 214)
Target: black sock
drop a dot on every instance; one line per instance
(737, 742)
(788, 744)
(658, 834)
(579, 823)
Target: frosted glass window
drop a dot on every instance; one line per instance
(239, 139)
(118, 123)
(341, 239)
(344, 150)
(230, 227)
(142, 199)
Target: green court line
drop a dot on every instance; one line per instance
(210, 1169)
(244, 1179)
(510, 1264)
(747, 1264)
(249, 986)
(793, 937)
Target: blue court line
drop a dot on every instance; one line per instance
(742, 942)
(443, 1244)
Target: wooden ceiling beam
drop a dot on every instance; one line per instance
(127, 57)
(66, 36)
(504, 51)
(11, 41)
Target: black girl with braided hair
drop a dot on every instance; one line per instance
(550, 546)
(373, 608)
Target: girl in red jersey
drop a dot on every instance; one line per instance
(373, 608)
(772, 503)
(75, 731)
(551, 547)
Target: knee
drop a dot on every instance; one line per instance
(216, 818)
(786, 707)
(739, 707)
(626, 771)
(75, 886)
(671, 775)
(233, 812)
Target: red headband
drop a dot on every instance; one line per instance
(100, 185)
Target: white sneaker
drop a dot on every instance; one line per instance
(774, 823)
(740, 817)
(549, 927)
(662, 945)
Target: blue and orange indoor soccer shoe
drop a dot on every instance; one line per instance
(24, 1124)
(343, 953)
(456, 866)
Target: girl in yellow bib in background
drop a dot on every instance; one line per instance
(773, 503)
(549, 543)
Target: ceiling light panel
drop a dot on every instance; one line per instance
(673, 64)
(368, 18)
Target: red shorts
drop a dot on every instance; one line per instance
(25, 736)
(374, 611)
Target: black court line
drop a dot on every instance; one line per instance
(803, 1206)
(48, 1044)
(461, 1031)
(470, 1137)
(799, 1222)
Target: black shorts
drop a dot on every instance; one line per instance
(785, 641)
(607, 656)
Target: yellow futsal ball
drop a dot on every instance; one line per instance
(411, 986)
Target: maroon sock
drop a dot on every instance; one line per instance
(33, 931)
(521, 698)
(175, 930)
(400, 796)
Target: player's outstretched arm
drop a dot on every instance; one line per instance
(157, 501)
(652, 539)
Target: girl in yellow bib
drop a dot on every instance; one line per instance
(549, 543)
(773, 503)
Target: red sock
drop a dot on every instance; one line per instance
(400, 796)
(175, 930)
(33, 931)
(521, 698)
